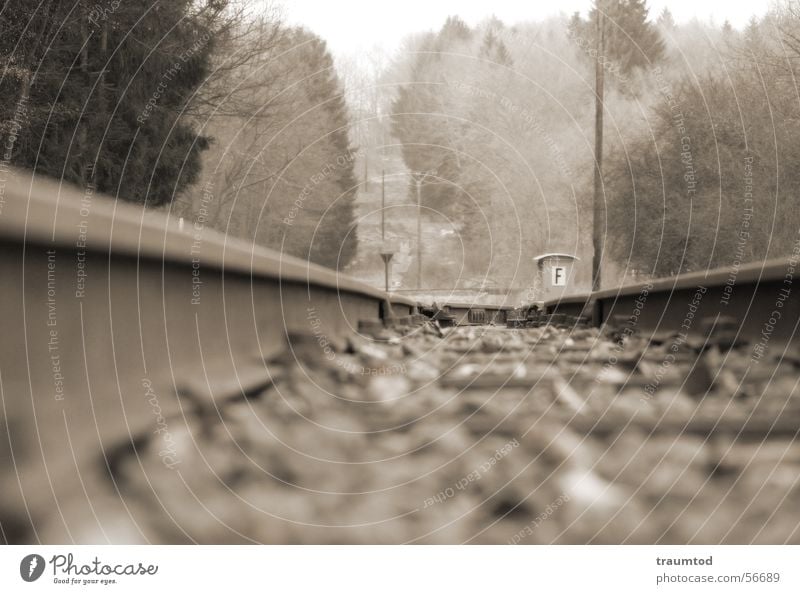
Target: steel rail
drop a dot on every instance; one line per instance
(760, 299)
(115, 319)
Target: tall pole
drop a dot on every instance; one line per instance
(419, 231)
(383, 206)
(386, 253)
(597, 199)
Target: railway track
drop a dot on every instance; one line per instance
(168, 385)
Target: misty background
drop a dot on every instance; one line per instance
(476, 132)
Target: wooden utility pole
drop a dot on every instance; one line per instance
(383, 206)
(418, 180)
(597, 199)
(387, 250)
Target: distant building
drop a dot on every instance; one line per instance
(554, 276)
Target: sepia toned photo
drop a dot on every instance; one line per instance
(347, 273)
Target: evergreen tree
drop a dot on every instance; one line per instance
(488, 45)
(727, 28)
(630, 39)
(494, 50)
(576, 25)
(106, 85)
(454, 29)
(754, 38)
(666, 20)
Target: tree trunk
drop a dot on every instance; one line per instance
(81, 138)
(419, 233)
(597, 200)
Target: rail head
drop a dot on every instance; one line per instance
(750, 273)
(746, 274)
(745, 293)
(39, 210)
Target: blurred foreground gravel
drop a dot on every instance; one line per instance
(481, 435)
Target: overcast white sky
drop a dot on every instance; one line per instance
(352, 25)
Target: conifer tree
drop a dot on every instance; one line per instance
(106, 86)
(630, 39)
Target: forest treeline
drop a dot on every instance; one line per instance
(212, 109)
(227, 116)
(701, 128)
